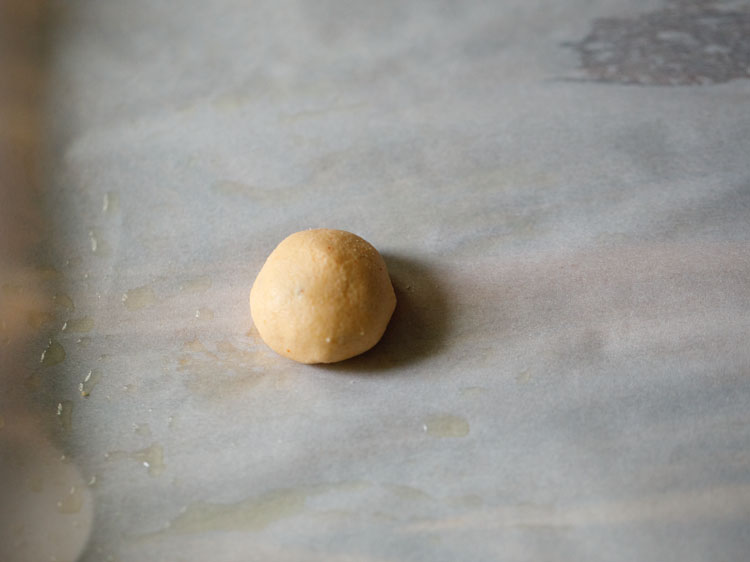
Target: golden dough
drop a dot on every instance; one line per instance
(322, 296)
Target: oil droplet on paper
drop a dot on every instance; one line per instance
(225, 372)
(53, 354)
(71, 502)
(110, 202)
(197, 285)
(89, 382)
(64, 302)
(204, 314)
(98, 245)
(84, 324)
(138, 298)
(65, 414)
(142, 429)
(446, 425)
(251, 514)
(151, 457)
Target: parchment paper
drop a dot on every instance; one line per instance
(567, 373)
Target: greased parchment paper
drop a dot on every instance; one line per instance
(561, 192)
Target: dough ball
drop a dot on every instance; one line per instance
(322, 296)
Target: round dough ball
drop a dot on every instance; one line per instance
(322, 296)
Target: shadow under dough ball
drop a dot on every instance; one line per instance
(322, 296)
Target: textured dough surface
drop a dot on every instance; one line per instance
(322, 296)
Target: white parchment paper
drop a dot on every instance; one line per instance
(566, 375)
